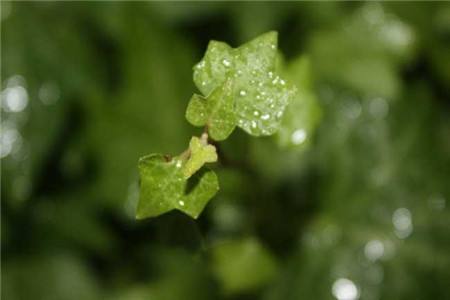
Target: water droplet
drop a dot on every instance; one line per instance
(265, 117)
(270, 74)
(253, 124)
(256, 113)
(298, 137)
(282, 82)
(226, 62)
(275, 81)
(181, 202)
(258, 97)
(203, 83)
(242, 93)
(260, 84)
(178, 164)
(272, 46)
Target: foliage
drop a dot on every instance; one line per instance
(164, 186)
(349, 199)
(240, 88)
(257, 96)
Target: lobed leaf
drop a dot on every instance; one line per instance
(164, 187)
(214, 68)
(259, 96)
(216, 111)
(200, 153)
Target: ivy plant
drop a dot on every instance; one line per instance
(239, 87)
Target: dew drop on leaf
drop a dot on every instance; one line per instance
(298, 137)
(226, 63)
(255, 83)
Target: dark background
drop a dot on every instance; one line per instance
(358, 210)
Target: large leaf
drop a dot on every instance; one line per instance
(164, 187)
(259, 95)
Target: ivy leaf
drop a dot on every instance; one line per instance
(259, 95)
(200, 153)
(216, 111)
(214, 68)
(164, 187)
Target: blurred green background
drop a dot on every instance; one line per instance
(352, 204)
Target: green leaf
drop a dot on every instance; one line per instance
(164, 187)
(214, 68)
(216, 111)
(197, 111)
(259, 94)
(200, 153)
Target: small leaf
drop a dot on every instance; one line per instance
(214, 68)
(197, 111)
(260, 96)
(164, 187)
(216, 111)
(200, 153)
